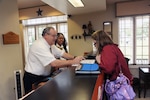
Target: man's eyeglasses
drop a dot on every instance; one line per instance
(54, 36)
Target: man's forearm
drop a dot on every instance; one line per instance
(68, 56)
(61, 63)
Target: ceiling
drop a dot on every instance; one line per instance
(65, 7)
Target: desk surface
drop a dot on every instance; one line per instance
(66, 86)
(144, 74)
(145, 69)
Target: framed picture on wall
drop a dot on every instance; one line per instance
(107, 27)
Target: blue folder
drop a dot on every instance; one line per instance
(89, 67)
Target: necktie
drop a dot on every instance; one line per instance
(50, 50)
(52, 68)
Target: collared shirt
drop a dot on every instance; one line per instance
(61, 48)
(39, 57)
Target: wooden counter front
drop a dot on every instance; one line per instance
(68, 86)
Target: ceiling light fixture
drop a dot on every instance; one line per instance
(76, 3)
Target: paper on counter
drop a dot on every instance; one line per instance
(75, 65)
(88, 61)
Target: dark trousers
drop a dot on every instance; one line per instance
(29, 79)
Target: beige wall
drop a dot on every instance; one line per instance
(75, 22)
(10, 55)
(133, 7)
(32, 12)
(79, 46)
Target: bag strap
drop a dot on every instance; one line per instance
(119, 64)
(119, 84)
(120, 67)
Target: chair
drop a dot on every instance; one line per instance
(137, 85)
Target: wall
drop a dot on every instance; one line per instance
(10, 55)
(75, 22)
(136, 7)
(79, 46)
(46, 11)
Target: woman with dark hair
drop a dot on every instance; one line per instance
(61, 42)
(110, 56)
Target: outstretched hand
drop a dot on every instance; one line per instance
(78, 59)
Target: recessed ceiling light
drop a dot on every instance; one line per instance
(76, 3)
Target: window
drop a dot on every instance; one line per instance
(33, 28)
(134, 38)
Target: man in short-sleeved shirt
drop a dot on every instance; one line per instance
(42, 57)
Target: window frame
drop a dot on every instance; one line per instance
(134, 38)
(35, 25)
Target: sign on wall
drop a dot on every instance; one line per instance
(10, 38)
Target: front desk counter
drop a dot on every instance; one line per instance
(69, 86)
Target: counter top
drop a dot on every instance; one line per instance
(68, 86)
